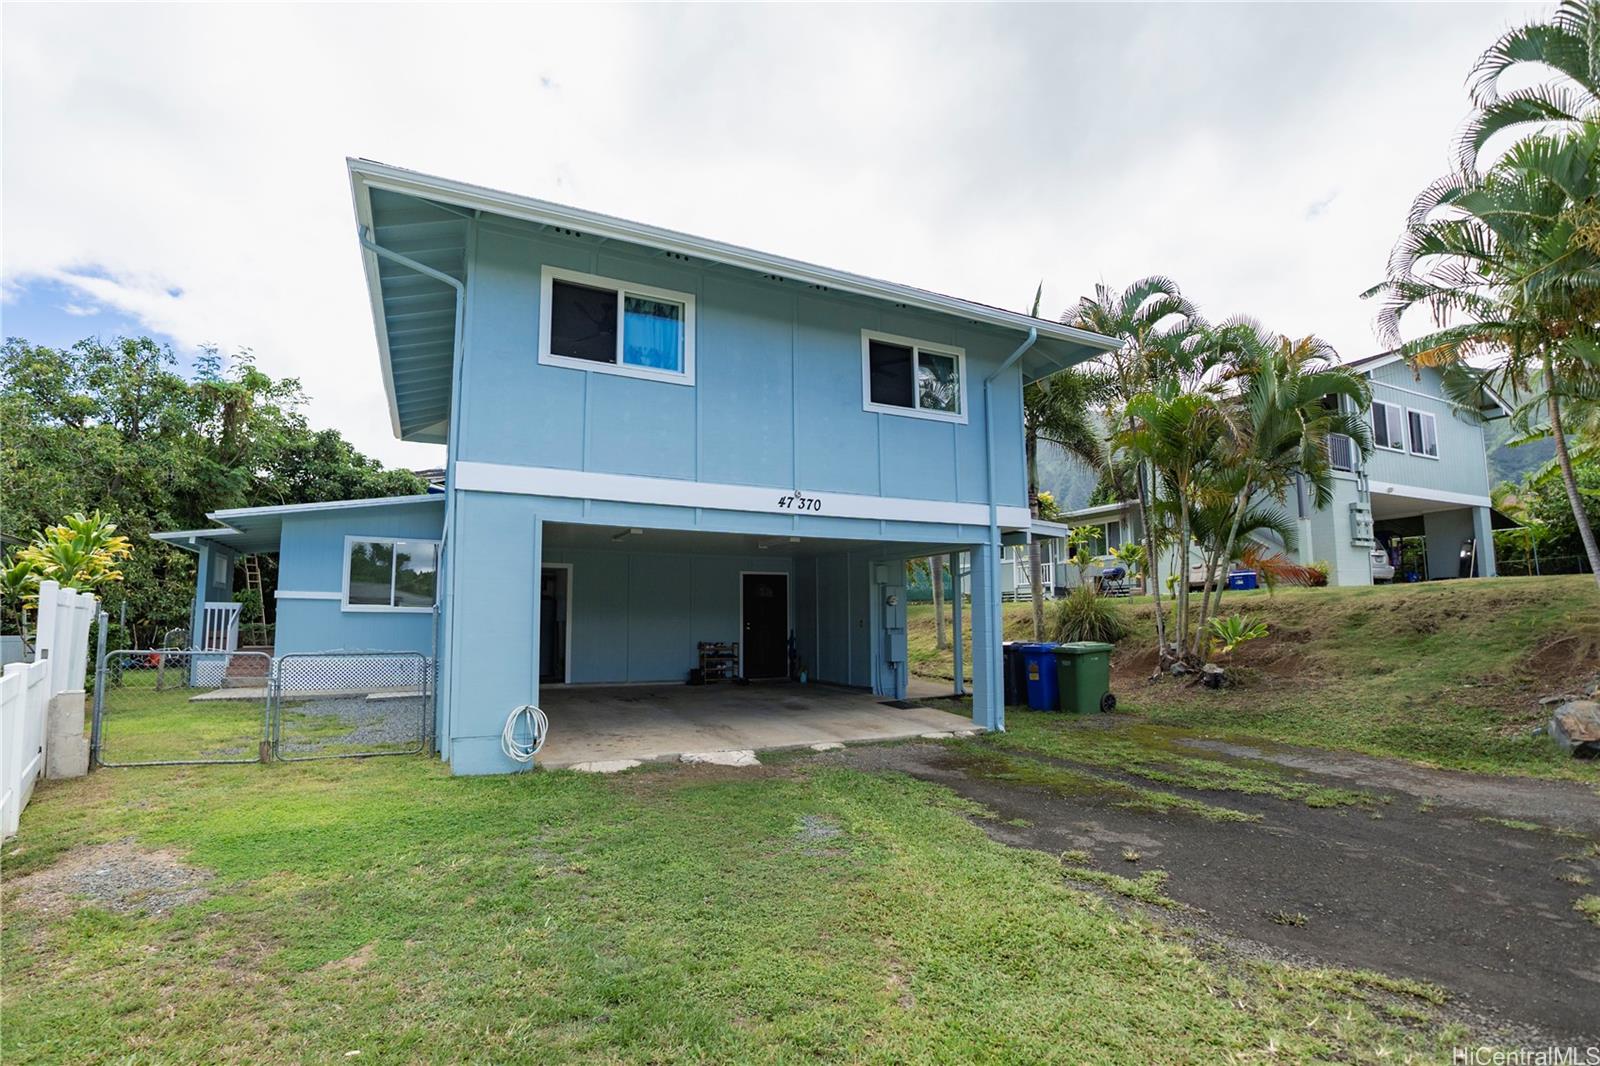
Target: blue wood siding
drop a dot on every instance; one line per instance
(311, 559)
(777, 398)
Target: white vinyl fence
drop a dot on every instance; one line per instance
(60, 664)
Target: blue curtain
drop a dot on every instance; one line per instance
(652, 333)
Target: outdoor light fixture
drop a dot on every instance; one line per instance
(770, 541)
(626, 533)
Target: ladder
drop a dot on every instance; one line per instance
(252, 581)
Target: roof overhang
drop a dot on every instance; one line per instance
(1494, 407)
(439, 202)
(258, 530)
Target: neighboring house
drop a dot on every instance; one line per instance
(653, 440)
(1421, 499)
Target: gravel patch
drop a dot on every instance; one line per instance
(120, 877)
(392, 723)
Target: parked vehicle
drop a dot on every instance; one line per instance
(1382, 568)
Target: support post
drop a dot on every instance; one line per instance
(956, 641)
(988, 705)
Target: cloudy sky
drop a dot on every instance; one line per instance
(180, 170)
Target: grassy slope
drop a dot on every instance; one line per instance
(1448, 673)
(666, 915)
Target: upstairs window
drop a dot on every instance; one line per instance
(1388, 426)
(1424, 434)
(595, 323)
(911, 377)
(390, 575)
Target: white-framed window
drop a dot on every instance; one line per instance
(587, 322)
(390, 574)
(1424, 433)
(1388, 426)
(904, 376)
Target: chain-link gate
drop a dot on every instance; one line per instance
(344, 704)
(170, 707)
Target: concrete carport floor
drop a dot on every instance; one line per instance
(605, 723)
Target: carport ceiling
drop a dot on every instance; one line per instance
(584, 537)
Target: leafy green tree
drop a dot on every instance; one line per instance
(115, 427)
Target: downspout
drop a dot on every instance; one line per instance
(993, 607)
(363, 235)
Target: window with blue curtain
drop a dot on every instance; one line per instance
(652, 333)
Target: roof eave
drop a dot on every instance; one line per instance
(366, 173)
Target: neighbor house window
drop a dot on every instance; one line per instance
(595, 323)
(905, 376)
(1388, 426)
(1424, 434)
(390, 575)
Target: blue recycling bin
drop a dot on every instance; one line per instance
(1242, 579)
(1039, 663)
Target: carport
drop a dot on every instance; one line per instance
(604, 723)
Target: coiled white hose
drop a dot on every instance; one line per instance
(538, 726)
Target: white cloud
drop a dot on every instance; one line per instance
(185, 165)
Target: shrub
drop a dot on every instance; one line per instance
(1320, 571)
(1230, 632)
(1083, 615)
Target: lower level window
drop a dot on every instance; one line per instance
(383, 574)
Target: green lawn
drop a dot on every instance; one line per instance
(1445, 673)
(798, 911)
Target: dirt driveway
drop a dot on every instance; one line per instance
(1463, 881)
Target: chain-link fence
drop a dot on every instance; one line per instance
(168, 706)
(341, 704)
(173, 706)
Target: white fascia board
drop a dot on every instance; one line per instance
(361, 197)
(365, 173)
(329, 505)
(1413, 492)
(187, 538)
(1101, 509)
(677, 492)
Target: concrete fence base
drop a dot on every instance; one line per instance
(66, 748)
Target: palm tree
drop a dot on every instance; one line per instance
(1175, 431)
(1158, 328)
(1508, 264)
(1569, 45)
(1276, 423)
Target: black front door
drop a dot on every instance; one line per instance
(766, 625)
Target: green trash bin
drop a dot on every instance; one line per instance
(1083, 676)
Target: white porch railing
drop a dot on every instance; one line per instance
(219, 627)
(60, 664)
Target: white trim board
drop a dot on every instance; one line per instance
(1412, 492)
(294, 594)
(679, 492)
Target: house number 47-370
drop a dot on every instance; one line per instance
(800, 503)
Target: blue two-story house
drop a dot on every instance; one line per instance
(654, 440)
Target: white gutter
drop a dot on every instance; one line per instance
(996, 626)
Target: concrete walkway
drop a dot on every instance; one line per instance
(605, 723)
